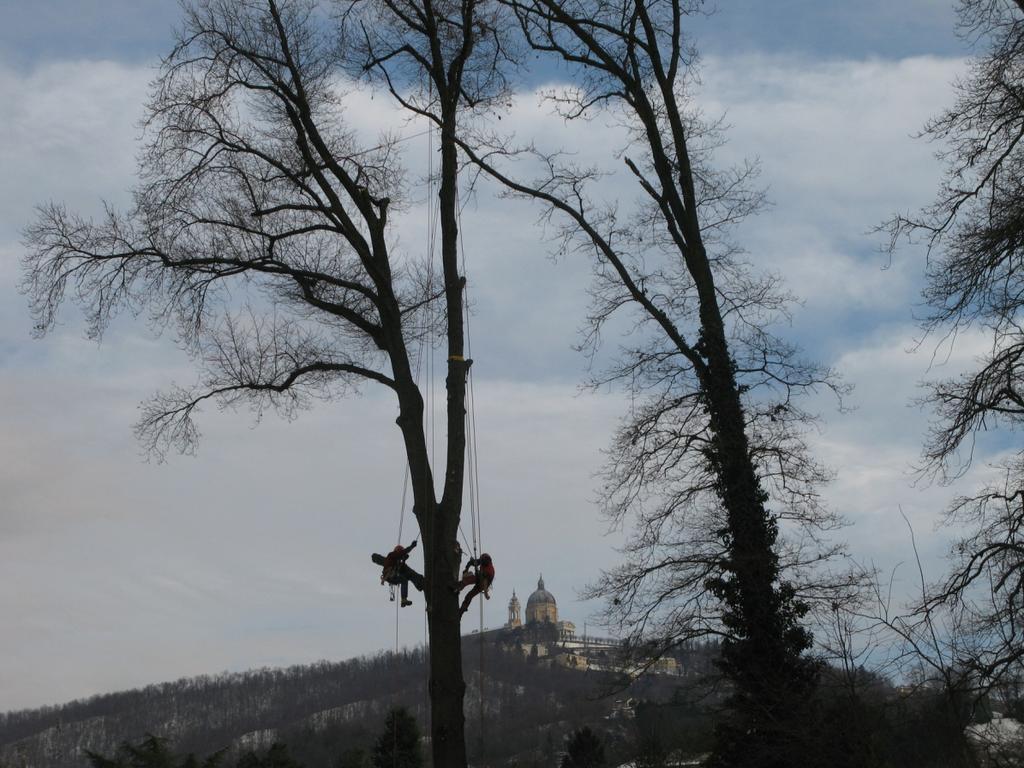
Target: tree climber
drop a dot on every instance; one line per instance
(396, 572)
(478, 573)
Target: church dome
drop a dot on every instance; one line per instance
(541, 595)
(541, 606)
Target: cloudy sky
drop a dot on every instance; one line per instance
(115, 572)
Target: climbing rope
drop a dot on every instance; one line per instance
(426, 379)
(472, 453)
(433, 220)
(473, 470)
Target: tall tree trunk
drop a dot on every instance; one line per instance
(441, 61)
(447, 687)
(439, 520)
(438, 524)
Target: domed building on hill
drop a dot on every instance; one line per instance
(543, 636)
(541, 614)
(541, 606)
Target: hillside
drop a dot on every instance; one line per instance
(323, 709)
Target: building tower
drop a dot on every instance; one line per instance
(514, 618)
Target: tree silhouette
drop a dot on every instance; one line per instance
(975, 281)
(275, 757)
(398, 746)
(262, 234)
(713, 460)
(584, 749)
(354, 758)
(153, 752)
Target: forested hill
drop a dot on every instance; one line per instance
(206, 713)
(319, 710)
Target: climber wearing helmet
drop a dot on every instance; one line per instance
(479, 574)
(396, 572)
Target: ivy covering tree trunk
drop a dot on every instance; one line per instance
(717, 417)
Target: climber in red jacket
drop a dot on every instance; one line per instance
(479, 574)
(396, 572)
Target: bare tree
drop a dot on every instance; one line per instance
(934, 647)
(252, 185)
(985, 586)
(718, 430)
(975, 280)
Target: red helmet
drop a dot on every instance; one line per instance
(485, 559)
(398, 550)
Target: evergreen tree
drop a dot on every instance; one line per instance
(584, 750)
(549, 748)
(275, 757)
(399, 745)
(152, 752)
(652, 749)
(356, 757)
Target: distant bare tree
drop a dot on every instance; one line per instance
(717, 432)
(985, 586)
(261, 233)
(932, 646)
(974, 233)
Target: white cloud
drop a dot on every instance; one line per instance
(69, 131)
(114, 572)
(876, 452)
(837, 147)
(259, 549)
